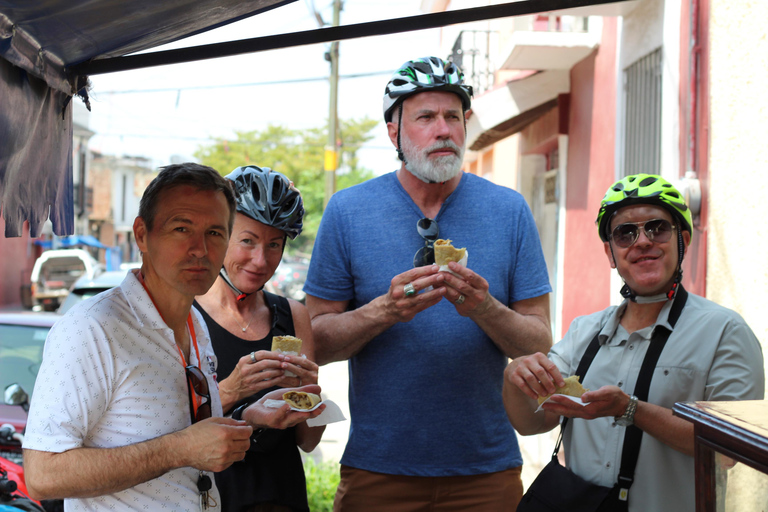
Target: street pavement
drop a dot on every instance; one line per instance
(334, 380)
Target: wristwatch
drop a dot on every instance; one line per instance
(628, 418)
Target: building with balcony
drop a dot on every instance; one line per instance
(581, 97)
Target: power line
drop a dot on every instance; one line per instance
(252, 84)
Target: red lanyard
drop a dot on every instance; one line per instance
(196, 400)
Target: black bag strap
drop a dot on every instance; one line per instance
(633, 435)
(282, 319)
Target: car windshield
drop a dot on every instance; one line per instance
(21, 352)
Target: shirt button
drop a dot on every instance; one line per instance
(621, 383)
(631, 347)
(608, 464)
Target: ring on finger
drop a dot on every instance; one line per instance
(460, 300)
(409, 290)
(253, 357)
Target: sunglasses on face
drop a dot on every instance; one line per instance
(429, 231)
(656, 230)
(197, 383)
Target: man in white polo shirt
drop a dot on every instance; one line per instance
(126, 412)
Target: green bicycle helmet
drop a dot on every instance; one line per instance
(425, 74)
(646, 189)
(642, 189)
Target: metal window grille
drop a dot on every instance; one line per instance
(472, 53)
(642, 115)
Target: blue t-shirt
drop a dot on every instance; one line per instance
(425, 396)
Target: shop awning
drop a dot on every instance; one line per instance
(49, 47)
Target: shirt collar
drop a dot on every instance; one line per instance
(609, 329)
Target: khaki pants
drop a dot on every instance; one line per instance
(364, 491)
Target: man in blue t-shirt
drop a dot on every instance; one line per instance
(427, 348)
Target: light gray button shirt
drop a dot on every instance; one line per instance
(711, 354)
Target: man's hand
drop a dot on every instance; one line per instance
(471, 286)
(606, 401)
(402, 308)
(215, 443)
(535, 375)
(260, 416)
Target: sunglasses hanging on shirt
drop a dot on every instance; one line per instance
(429, 231)
(198, 384)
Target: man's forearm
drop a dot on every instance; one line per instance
(660, 423)
(90, 472)
(339, 336)
(516, 334)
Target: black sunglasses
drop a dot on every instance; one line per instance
(429, 231)
(197, 382)
(656, 230)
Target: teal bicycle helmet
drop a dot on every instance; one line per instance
(425, 74)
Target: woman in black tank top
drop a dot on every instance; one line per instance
(242, 319)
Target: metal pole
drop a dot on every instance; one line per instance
(331, 149)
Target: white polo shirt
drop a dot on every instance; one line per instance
(112, 376)
(711, 354)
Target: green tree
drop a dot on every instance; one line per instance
(299, 154)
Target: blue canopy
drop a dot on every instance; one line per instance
(72, 241)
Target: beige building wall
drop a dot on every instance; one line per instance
(506, 162)
(737, 266)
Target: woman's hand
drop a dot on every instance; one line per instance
(255, 372)
(305, 370)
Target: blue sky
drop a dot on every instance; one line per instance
(186, 107)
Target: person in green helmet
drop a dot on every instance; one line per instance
(702, 351)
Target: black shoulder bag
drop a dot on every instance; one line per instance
(558, 489)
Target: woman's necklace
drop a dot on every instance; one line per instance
(238, 323)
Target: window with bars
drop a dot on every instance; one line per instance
(642, 115)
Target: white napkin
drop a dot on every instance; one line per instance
(331, 414)
(576, 399)
(462, 262)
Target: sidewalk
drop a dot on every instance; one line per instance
(334, 380)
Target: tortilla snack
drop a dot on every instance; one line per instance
(572, 387)
(290, 345)
(301, 400)
(445, 252)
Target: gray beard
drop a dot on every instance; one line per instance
(432, 170)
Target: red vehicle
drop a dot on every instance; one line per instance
(22, 336)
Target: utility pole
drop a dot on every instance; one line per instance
(332, 149)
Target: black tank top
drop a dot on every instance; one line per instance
(272, 471)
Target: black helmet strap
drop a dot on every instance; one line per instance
(400, 154)
(239, 296)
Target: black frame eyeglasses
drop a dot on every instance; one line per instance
(656, 230)
(197, 383)
(429, 231)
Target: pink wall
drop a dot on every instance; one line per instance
(17, 256)
(591, 143)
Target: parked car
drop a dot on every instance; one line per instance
(22, 336)
(289, 279)
(87, 287)
(55, 271)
